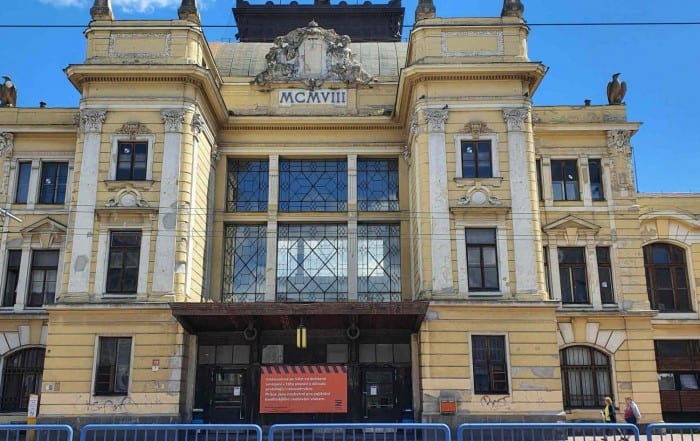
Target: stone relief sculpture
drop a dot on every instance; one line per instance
(616, 90)
(312, 55)
(8, 93)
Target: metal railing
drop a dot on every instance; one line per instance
(547, 432)
(673, 432)
(36, 432)
(170, 432)
(360, 432)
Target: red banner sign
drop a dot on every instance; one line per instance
(304, 389)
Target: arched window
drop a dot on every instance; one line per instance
(585, 376)
(667, 277)
(21, 376)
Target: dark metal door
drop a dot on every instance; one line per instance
(229, 397)
(379, 394)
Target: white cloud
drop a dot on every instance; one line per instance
(128, 6)
(62, 3)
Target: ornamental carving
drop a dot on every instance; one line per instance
(515, 118)
(197, 124)
(312, 55)
(132, 129)
(127, 198)
(479, 196)
(91, 120)
(476, 128)
(7, 143)
(406, 153)
(619, 140)
(413, 127)
(173, 120)
(436, 119)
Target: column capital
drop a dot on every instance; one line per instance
(173, 119)
(436, 119)
(90, 121)
(197, 124)
(7, 142)
(515, 118)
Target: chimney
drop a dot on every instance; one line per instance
(512, 8)
(188, 11)
(102, 10)
(425, 9)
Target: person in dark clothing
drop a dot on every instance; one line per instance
(608, 413)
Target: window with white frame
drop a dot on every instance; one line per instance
(482, 259)
(54, 179)
(24, 173)
(113, 366)
(565, 181)
(132, 158)
(124, 259)
(477, 158)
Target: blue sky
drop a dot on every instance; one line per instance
(659, 63)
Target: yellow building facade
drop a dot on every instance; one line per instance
(451, 251)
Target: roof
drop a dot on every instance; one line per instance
(379, 59)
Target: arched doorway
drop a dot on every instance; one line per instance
(21, 376)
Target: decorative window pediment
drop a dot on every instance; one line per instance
(47, 231)
(569, 222)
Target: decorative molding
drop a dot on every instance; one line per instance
(413, 125)
(515, 118)
(47, 231)
(436, 119)
(112, 50)
(406, 153)
(476, 128)
(132, 129)
(620, 140)
(479, 196)
(127, 197)
(312, 55)
(173, 120)
(215, 153)
(7, 143)
(472, 34)
(91, 120)
(197, 124)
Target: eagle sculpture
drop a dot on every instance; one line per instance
(8, 93)
(616, 90)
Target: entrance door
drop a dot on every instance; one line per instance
(228, 402)
(379, 395)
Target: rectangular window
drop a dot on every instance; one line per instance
(565, 180)
(313, 185)
(113, 366)
(14, 259)
(42, 285)
(489, 362)
(547, 275)
(247, 185)
(132, 160)
(538, 170)
(378, 185)
(482, 259)
(54, 176)
(476, 159)
(379, 263)
(244, 263)
(605, 275)
(572, 275)
(312, 263)
(24, 172)
(123, 267)
(595, 170)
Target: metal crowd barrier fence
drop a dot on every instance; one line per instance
(36, 432)
(360, 432)
(170, 432)
(547, 432)
(673, 432)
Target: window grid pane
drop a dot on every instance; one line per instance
(482, 261)
(247, 188)
(245, 257)
(313, 185)
(312, 263)
(572, 275)
(123, 266)
(489, 364)
(377, 185)
(565, 185)
(585, 374)
(595, 171)
(667, 277)
(477, 159)
(379, 263)
(113, 366)
(132, 161)
(53, 182)
(42, 280)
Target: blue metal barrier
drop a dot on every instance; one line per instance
(675, 432)
(171, 432)
(359, 432)
(41, 432)
(547, 432)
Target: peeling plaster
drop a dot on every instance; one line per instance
(80, 263)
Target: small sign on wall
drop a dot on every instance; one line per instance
(155, 364)
(33, 406)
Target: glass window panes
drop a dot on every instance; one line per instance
(123, 266)
(586, 378)
(667, 381)
(24, 172)
(241, 354)
(247, 188)
(224, 354)
(377, 184)
(368, 353)
(337, 353)
(132, 160)
(313, 185)
(14, 259)
(245, 255)
(54, 176)
(476, 159)
(379, 263)
(565, 180)
(667, 277)
(482, 260)
(42, 283)
(207, 354)
(402, 353)
(273, 354)
(312, 263)
(385, 353)
(595, 171)
(489, 364)
(113, 366)
(572, 275)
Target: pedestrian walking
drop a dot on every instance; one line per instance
(632, 414)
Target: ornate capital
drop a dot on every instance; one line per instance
(215, 153)
(173, 120)
(132, 129)
(413, 125)
(436, 119)
(406, 153)
(620, 140)
(91, 120)
(515, 118)
(197, 124)
(7, 142)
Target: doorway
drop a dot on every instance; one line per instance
(228, 403)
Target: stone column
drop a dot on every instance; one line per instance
(164, 267)
(84, 221)
(352, 228)
(592, 270)
(440, 243)
(23, 281)
(273, 185)
(520, 157)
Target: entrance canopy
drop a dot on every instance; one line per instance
(222, 317)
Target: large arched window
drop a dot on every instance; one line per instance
(667, 277)
(585, 376)
(21, 376)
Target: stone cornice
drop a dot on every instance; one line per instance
(269, 125)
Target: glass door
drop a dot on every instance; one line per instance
(228, 403)
(379, 394)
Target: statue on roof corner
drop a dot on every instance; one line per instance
(8, 93)
(512, 8)
(616, 90)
